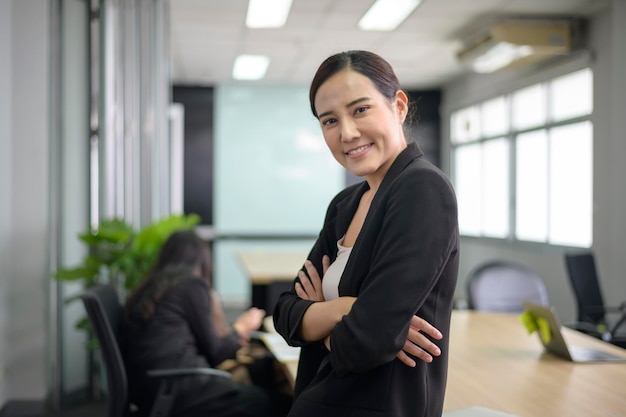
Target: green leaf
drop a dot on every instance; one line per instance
(83, 324)
(74, 274)
(92, 344)
(71, 299)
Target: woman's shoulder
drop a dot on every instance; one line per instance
(420, 181)
(189, 292)
(422, 170)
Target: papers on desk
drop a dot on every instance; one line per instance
(476, 412)
(279, 348)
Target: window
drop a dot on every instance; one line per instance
(522, 163)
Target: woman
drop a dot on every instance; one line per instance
(174, 320)
(388, 252)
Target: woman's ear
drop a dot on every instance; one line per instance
(402, 105)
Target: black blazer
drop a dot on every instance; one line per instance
(180, 334)
(404, 262)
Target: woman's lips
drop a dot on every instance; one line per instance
(357, 152)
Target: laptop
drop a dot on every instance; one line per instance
(557, 344)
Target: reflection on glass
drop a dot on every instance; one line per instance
(468, 188)
(529, 107)
(495, 186)
(571, 185)
(465, 125)
(495, 117)
(531, 222)
(571, 95)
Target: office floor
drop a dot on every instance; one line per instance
(37, 409)
(95, 409)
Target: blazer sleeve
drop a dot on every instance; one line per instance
(413, 239)
(197, 309)
(290, 308)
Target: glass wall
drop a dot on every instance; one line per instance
(113, 137)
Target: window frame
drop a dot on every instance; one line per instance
(511, 136)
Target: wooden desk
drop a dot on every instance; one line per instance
(270, 272)
(496, 364)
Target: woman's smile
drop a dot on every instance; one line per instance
(358, 152)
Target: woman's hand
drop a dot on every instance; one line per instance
(310, 287)
(417, 344)
(249, 321)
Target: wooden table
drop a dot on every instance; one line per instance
(496, 364)
(270, 273)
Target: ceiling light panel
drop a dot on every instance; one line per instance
(263, 14)
(250, 67)
(386, 15)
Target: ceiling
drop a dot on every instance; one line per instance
(207, 35)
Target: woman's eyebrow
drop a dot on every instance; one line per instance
(350, 104)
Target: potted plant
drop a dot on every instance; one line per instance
(120, 255)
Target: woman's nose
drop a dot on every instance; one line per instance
(349, 131)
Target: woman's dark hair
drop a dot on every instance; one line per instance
(369, 64)
(182, 253)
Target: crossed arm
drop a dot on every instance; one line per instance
(322, 316)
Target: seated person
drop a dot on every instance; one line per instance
(173, 319)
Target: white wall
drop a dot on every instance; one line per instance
(23, 210)
(5, 185)
(609, 152)
(608, 61)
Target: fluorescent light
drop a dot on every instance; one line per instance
(250, 67)
(267, 13)
(387, 14)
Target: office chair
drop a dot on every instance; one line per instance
(503, 286)
(592, 312)
(104, 311)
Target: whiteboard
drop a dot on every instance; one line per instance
(274, 174)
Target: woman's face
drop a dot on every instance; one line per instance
(362, 128)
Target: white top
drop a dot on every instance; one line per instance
(330, 283)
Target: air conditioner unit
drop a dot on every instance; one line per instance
(511, 43)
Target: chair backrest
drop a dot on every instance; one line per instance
(504, 286)
(104, 311)
(581, 268)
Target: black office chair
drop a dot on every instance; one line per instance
(104, 311)
(504, 286)
(593, 316)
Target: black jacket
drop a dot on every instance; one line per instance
(404, 262)
(180, 334)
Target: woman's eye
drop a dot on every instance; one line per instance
(360, 109)
(328, 122)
